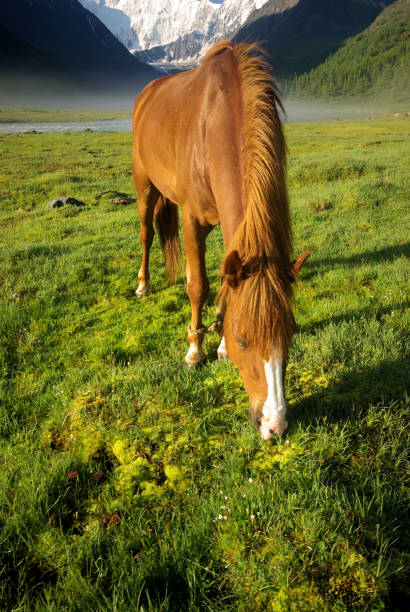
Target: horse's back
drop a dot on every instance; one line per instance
(187, 127)
(153, 135)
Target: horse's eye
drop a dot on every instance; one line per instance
(238, 338)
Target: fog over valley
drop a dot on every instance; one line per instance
(78, 55)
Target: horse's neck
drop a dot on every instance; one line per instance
(230, 222)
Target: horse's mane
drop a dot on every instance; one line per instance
(263, 239)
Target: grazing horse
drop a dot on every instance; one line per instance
(211, 142)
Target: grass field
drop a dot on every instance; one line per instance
(128, 482)
(25, 114)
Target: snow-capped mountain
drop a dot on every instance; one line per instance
(145, 24)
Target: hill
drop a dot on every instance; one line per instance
(302, 36)
(65, 45)
(375, 62)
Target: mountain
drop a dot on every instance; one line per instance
(376, 61)
(300, 34)
(172, 30)
(63, 43)
(19, 56)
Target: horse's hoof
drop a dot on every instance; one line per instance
(194, 359)
(142, 291)
(193, 365)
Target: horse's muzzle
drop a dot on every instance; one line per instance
(267, 429)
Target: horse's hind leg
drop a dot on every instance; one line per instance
(222, 354)
(147, 198)
(197, 285)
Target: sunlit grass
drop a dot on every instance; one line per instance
(26, 114)
(130, 482)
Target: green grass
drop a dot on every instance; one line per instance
(27, 114)
(130, 482)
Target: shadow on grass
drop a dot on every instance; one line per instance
(388, 253)
(23, 575)
(350, 397)
(368, 473)
(171, 585)
(373, 310)
(38, 251)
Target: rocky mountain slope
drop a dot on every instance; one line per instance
(172, 30)
(299, 34)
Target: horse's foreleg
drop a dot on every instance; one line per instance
(197, 286)
(147, 198)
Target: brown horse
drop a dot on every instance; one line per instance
(210, 141)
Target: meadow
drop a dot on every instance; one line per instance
(26, 114)
(129, 482)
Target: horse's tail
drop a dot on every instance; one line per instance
(166, 219)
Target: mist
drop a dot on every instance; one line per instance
(48, 93)
(298, 111)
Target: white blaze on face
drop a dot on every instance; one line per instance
(274, 408)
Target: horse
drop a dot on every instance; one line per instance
(210, 141)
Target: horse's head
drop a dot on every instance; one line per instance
(258, 326)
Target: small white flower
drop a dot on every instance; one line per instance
(225, 498)
(220, 517)
(250, 480)
(225, 517)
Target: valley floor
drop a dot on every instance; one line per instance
(130, 482)
(26, 114)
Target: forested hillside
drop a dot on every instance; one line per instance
(300, 37)
(374, 62)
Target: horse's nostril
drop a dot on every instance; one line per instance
(259, 421)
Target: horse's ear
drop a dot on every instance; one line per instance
(233, 269)
(296, 265)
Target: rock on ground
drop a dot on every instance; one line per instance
(63, 201)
